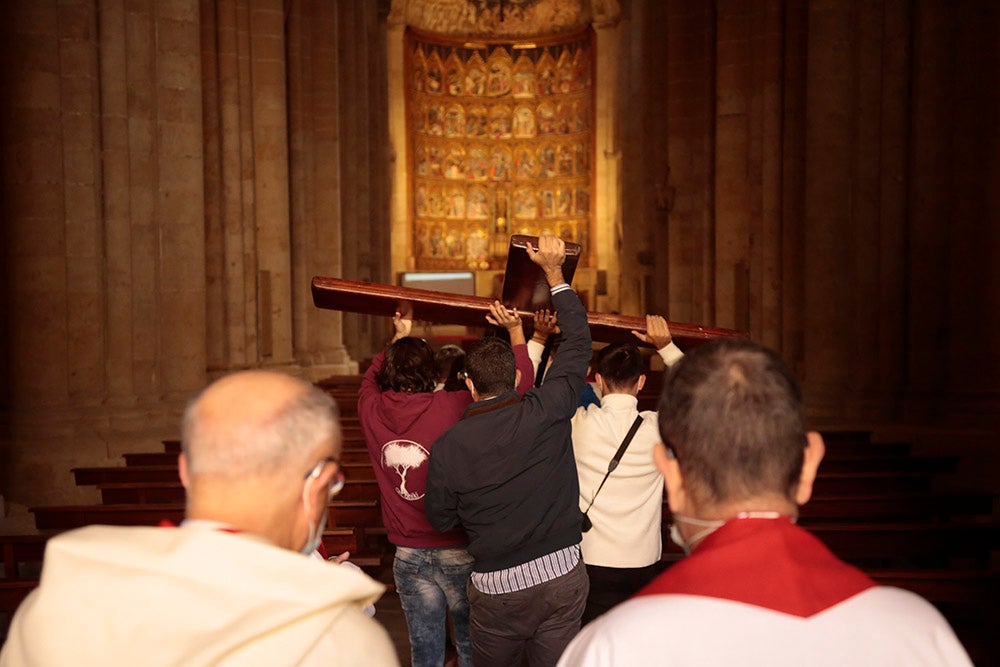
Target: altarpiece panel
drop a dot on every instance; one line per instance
(501, 142)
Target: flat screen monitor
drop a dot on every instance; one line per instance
(453, 282)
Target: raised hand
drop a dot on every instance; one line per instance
(546, 324)
(549, 255)
(508, 319)
(657, 332)
(402, 322)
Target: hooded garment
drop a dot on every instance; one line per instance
(192, 596)
(400, 429)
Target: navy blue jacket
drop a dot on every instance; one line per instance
(505, 471)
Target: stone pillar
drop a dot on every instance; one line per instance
(104, 253)
(268, 136)
(854, 223)
(364, 163)
(952, 270)
(400, 250)
(315, 149)
(248, 227)
(690, 73)
(828, 199)
(608, 91)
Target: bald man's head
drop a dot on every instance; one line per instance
(258, 424)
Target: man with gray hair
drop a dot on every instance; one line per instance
(231, 585)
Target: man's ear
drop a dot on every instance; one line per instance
(599, 381)
(673, 480)
(472, 389)
(182, 470)
(812, 455)
(517, 377)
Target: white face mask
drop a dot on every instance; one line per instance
(708, 527)
(315, 531)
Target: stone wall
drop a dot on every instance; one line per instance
(174, 173)
(823, 174)
(104, 312)
(171, 184)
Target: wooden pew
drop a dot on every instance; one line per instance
(878, 508)
(875, 463)
(112, 474)
(354, 451)
(958, 545)
(864, 482)
(891, 508)
(13, 592)
(966, 587)
(347, 513)
(18, 549)
(123, 493)
(871, 541)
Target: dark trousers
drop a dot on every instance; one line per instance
(536, 623)
(610, 586)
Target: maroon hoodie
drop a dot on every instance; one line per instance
(399, 430)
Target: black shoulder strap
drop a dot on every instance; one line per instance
(625, 443)
(618, 457)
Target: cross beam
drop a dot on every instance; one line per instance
(355, 296)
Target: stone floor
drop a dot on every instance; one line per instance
(389, 613)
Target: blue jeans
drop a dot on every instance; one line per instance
(427, 580)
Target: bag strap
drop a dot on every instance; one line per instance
(617, 457)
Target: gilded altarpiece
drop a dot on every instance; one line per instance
(501, 142)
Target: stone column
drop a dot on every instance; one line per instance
(607, 168)
(103, 204)
(315, 150)
(400, 251)
(690, 73)
(365, 163)
(248, 258)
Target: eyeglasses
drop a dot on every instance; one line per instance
(337, 484)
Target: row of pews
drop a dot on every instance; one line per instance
(874, 505)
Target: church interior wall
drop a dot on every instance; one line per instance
(823, 174)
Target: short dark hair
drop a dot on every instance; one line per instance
(620, 365)
(450, 361)
(408, 367)
(491, 366)
(731, 411)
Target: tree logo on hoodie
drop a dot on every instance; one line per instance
(403, 456)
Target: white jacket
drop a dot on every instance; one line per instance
(626, 515)
(192, 596)
(627, 512)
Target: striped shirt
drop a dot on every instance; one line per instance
(534, 572)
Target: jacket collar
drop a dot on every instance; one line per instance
(491, 404)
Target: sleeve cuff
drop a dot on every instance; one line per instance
(561, 287)
(670, 354)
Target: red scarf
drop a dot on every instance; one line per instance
(768, 563)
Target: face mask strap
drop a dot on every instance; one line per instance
(315, 535)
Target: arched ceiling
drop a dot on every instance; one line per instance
(502, 18)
